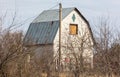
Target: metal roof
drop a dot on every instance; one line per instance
(52, 15)
(41, 33)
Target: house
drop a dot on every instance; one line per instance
(77, 38)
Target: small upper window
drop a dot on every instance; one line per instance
(73, 29)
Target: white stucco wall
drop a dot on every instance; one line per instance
(75, 40)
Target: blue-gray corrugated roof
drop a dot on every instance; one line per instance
(52, 15)
(41, 33)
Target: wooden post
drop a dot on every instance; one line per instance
(60, 23)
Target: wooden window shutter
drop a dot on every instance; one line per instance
(73, 29)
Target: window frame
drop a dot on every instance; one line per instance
(76, 29)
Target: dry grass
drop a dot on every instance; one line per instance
(83, 75)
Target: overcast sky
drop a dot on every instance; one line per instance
(91, 9)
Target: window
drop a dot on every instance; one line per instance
(73, 29)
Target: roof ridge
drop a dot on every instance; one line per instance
(58, 9)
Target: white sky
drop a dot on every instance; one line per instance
(29, 9)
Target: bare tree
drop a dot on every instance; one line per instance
(13, 54)
(106, 58)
